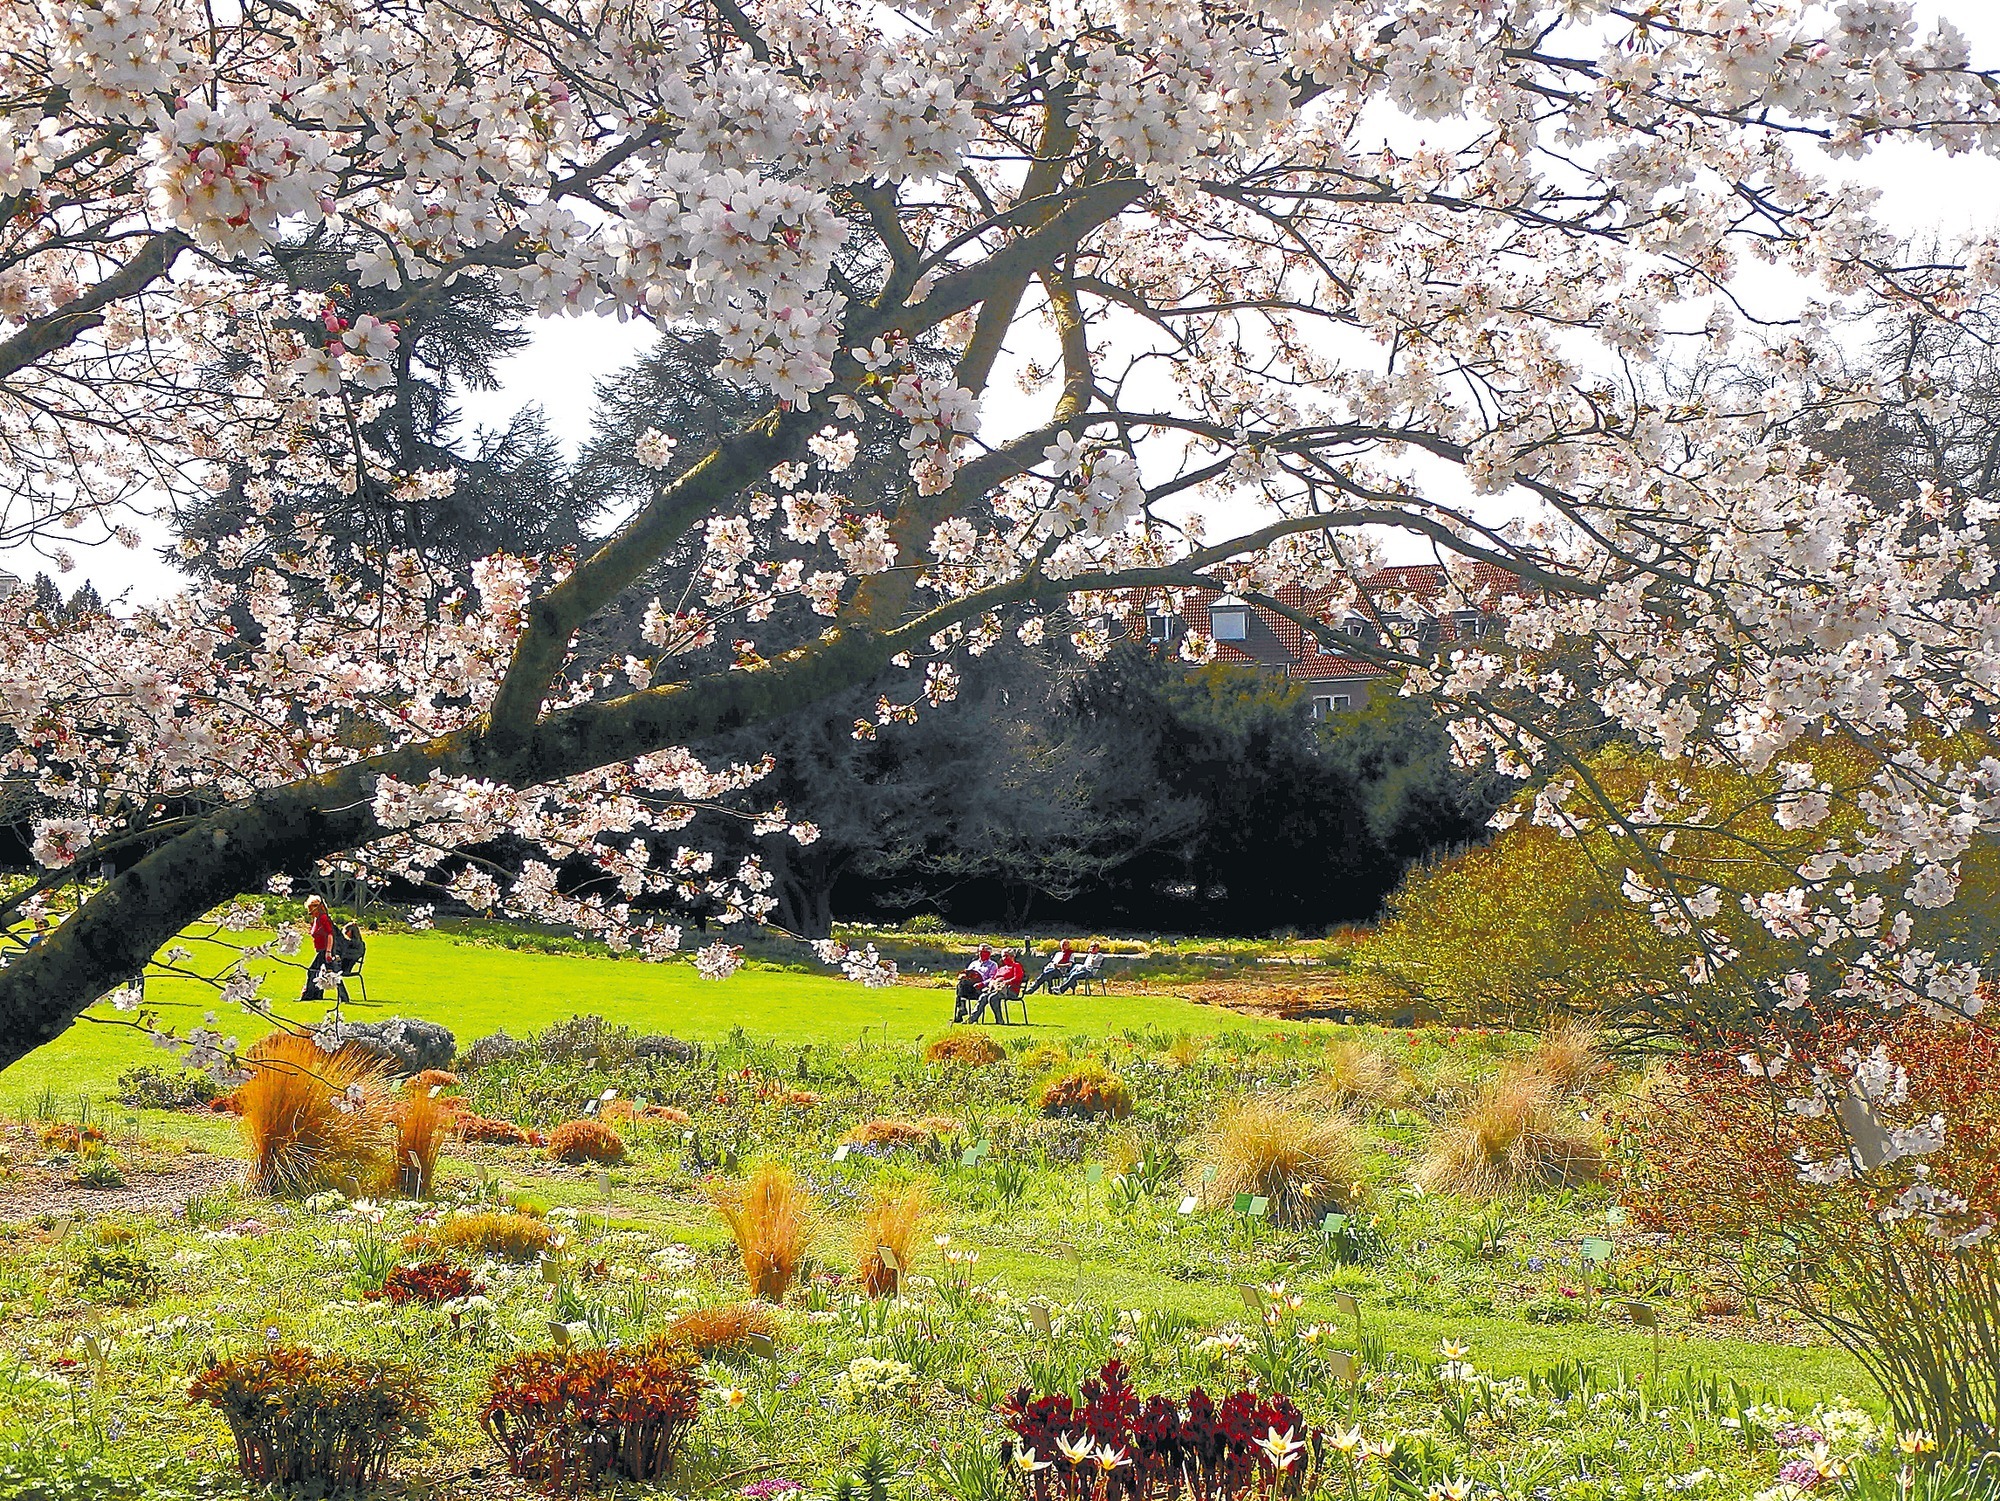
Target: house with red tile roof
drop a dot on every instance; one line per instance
(1390, 602)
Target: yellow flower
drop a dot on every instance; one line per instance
(1281, 1448)
(1347, 1441)
(1075, 1450)
(1916, 1441)
(735, 1396)
(1458, 1488)
(1028, 1464)
(1453, 1350)
(1109, 1459)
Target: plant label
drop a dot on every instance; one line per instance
(970, 1159)
(551, 1270)
(1643, 1315)
(1208, 1173)
(762, 1345)
(1253, 1298)
(840, 1154)
(890, 1259)
(1615, 1216)
(1241, 1205)
(1348, 1304)
(1340, 1364)
(1187, 1205)
(1333, 1224)
(1260, 1207)
(1094, 1174)
(1038, 1319)
(559, 1332)
(604, 1182)
(1597, 1250)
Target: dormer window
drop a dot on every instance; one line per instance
(1159, 626)
(1354, 626)
(1229, 619)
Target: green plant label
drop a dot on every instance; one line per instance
(1340, 1364)
(1038, 1318)
(1253, 1297)
(1259, 1207)
(1643, 1315)
(1597, 1250)
(1348, 1304)
(1094, 1174)
(761, 1345)
(1615, 1215)
(1242, 1204)
(1333, 1224)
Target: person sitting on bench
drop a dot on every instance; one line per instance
(1055, 970)
(966, 999)
(349, 949)
(1089, 967)
(1005, 986)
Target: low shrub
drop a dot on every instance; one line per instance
(1088, 1089)
(509, 1235)
(585, 1141)
(965, 1047)
(302, 1418)
(568, 1418)
(1871, 1154)
(1516, 1135)
(150, 1087)
(420, 1121)
(116, 1275)
(1219, 1450)
(771, 1217)
(723, 1330)
(313, 1119)
(889, 1224)
(428, 1282)
(892, 1135)
(498, 1133)
(432, 1078)
(69, 1137)
(1306, 1162)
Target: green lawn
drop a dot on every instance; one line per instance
(475, 989)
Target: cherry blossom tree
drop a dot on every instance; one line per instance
(1337, 269)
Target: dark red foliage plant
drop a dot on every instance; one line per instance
(430, 1282)
(1111, 1444)
(568, 1418)
(1848, 1169)
(302, 1418)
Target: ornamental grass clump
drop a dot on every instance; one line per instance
(1570, 1056)
(895, 1135)
(772, 1218)
(1114, 1445)
(1354, 1073)
(420, 1122)
(724, 1330)
(567, 1419)
(1305, 1161)
(302, 1418)
(507, 1235)
(585, 1141)
(313, 1119)
(1518, 1133)
(886, 1239)
(965, 1047)
(1086, 1091)
(1859, 1163)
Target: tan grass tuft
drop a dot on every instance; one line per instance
(1304, 1159)
(724, 1330)
(772, 1218)
(313, 1119)
(891, 1224)
(585, 1141)
(1356, 1073)
(1570, 1055)
(965, 1047)
(509, 1235)
(1517, 1134)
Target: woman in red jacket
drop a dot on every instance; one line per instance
(322, 960)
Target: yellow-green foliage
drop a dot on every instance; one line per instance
(1087, 1088)
(1305, 1159)
(510, 1236)
(1536, 924)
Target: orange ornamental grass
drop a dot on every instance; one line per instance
(313, 1119)
(421, 1121)
(725, 1329)
(890, 1225)
(772, 1218)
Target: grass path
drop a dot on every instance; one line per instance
(475, 989)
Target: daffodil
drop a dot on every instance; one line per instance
(1916, 1441)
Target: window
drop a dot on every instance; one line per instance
(1342, 701)
(1159, 626)
(1354, 625)
(1230, 625)
(1322, 707)
(1329, 704)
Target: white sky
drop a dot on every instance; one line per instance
(1920, 189)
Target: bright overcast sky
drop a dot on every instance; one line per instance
(1921, 189)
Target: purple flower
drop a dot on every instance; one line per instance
(1797, 1436)
(1535, 1263)
(1802, 1473)
(769, 1490)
